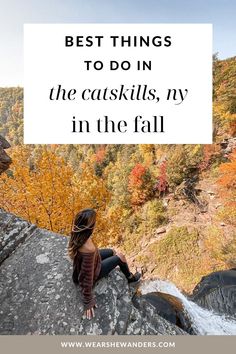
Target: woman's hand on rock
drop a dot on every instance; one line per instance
(89, 313)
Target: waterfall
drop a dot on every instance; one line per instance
(204, 322)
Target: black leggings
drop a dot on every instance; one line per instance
(109, 262)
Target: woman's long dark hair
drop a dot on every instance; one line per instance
(82, 229)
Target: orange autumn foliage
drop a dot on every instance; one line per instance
(100, 154)
(210, 152)
(49, 193)
(227, 180)
(139, 185)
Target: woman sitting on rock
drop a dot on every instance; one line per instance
(91, 263)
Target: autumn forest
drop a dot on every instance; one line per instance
(170, 208)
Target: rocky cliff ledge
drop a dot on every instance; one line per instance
(38, 296)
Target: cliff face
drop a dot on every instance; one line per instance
(5, 160)
(38, 296)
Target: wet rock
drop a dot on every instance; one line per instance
(217, 291)
(166, 306)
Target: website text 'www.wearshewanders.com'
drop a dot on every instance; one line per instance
(117, 344)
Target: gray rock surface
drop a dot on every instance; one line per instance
(13, 231)
(38, 296)
(167, 306)
(228, 145)
(5, 160)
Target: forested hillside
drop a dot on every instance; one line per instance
(171, 208)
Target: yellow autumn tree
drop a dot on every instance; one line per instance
(148, 152)
(52, 192)
(15, 184)
(40, 191)
(48, 192)
(92, 193)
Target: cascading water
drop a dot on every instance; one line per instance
(204, 322)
